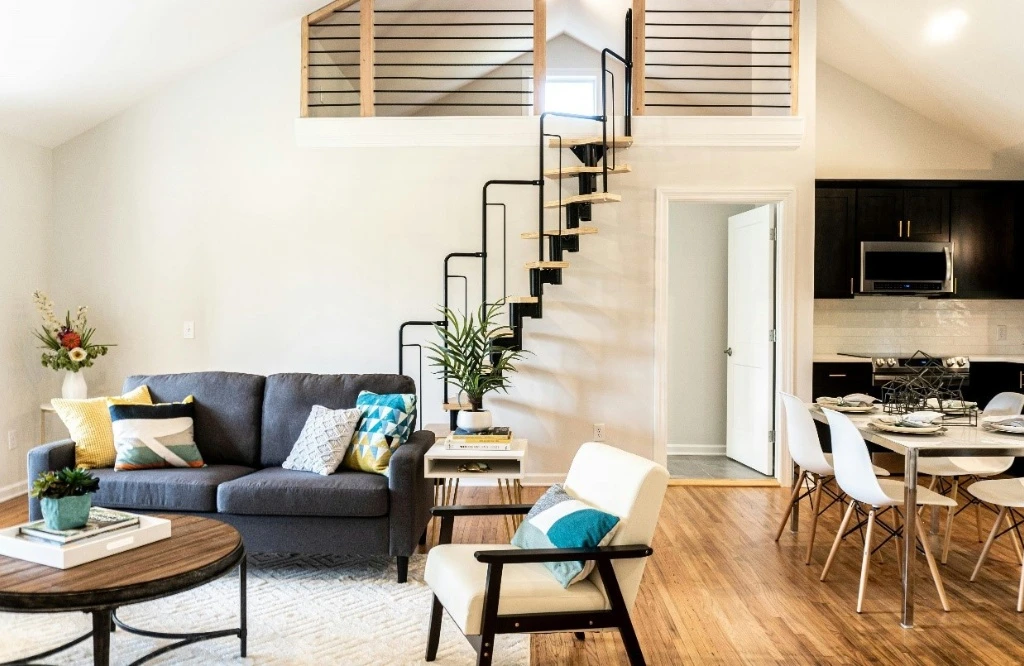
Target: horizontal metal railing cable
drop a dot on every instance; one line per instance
(705, 56)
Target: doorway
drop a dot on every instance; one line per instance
(718, 314)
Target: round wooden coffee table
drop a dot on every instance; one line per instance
(198, 551)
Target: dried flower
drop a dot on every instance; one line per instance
(78, 355)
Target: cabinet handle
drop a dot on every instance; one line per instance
(901, 229)
(908, 228)
(844, 375)
(851, 286)
(1022, 380)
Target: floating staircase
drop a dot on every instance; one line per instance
(597, 161)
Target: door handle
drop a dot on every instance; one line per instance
(901, 228)
(728, 352)
(908, 228)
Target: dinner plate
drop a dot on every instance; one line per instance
(906, 430)
(1015, 430)
(849, 409)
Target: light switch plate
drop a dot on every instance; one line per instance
(188, 330)
(1001, 332)
(598, 432)
(12, 440)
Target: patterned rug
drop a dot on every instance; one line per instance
(302, 610)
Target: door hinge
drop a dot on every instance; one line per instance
(771, 436)
(772, 335)
(773, 234)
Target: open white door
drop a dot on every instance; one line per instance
(751, 353)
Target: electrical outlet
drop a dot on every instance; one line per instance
(188, 330)
(598, 432)
(1001, 332)
(12, 440)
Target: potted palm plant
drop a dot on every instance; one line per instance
(65, 497)
(467, 357)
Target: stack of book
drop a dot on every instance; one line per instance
(101, 521)
(492, 439)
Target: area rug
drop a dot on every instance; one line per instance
(302, 610)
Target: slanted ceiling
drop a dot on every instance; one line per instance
(969, 83)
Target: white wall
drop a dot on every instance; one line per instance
(197, 204)
(863, 133)
(25, 196)
(698, 296)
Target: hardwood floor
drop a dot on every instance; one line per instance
(718, 590)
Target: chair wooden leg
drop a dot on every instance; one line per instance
(988, 543)
(1014, 539)
(434, 631)
(618, 605)
(839, 538)
(977, 520)
(488, 625)
(815, 510)
(933, 567)
(1020, 591)
(865, 561)
(403, 568)
(950, 514)
(789, 507)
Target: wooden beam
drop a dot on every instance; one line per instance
(366, 51)
(639, 54)
(540, 54)
(304, 83)
(324, 12)
(794, 61)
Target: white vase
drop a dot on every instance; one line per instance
(473, 421)
(74, 386)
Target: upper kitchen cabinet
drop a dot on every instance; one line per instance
(985, 238)
(834, 242)
(902, 213)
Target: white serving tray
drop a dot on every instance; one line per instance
(149, 530)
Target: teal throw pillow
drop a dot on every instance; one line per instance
(386, 424)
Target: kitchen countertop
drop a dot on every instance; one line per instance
(840, 358)
(975, 358)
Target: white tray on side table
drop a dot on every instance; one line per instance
(442, 463)
(149, 530)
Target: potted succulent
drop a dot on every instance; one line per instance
(65, 497)
(467, 357)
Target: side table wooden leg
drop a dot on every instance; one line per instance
(101, 622)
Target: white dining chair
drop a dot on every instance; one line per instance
(950, 474)
(854, 475)
(1008, 495)
(813, 464)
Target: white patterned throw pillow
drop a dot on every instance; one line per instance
(323, 440)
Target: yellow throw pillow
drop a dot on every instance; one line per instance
(88, 422)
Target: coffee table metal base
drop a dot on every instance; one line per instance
(104, 622)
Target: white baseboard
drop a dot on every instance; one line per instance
(544, 480)
(13, 490)
(695, 449)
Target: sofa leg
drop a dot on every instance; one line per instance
(434, 632)
(580, 636)
(403, 568)
(423, 537)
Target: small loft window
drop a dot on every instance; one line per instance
(572, 94)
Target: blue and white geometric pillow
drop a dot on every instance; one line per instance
(386, 424)
(558, 520)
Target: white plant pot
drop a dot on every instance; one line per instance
(74, 386)
(473, 421)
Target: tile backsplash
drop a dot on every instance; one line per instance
(903, 325)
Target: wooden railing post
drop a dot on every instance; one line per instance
(304, 84)
(540, 54)
(794, 60)
(366, 57)
(639, 54)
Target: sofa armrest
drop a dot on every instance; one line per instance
(412, 496)
(48, 458)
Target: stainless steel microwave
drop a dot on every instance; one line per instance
(906, 268)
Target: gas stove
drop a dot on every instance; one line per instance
(887, 367)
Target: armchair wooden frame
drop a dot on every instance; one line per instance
(492, 623)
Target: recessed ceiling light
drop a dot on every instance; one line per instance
(944, 27)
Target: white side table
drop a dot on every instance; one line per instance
(44, 409)
(506, 467)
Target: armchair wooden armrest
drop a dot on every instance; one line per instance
(523, 556)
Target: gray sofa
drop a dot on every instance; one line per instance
(245, 426)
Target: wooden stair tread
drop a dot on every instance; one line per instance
(569, 172)
(503, 332)
(578, 231)
(570, 141)
(547, 264)
(522, 299)
(596, 197)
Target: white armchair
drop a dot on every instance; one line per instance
(500, 589)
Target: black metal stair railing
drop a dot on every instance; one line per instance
(592, 154)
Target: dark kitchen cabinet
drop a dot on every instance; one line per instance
(990, 378)
(835, 380)
(894, 214)
(985, 239)
(834, 242)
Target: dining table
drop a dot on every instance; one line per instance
(967, 440)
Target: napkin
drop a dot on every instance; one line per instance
(920, 419)
(933, 403)
(1016, 420)
(852, 400)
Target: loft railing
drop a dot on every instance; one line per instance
(432, 57)
(715, 57)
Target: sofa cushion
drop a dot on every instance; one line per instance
(169, 489)
(229, 407)
(290, 397)
(275, 491)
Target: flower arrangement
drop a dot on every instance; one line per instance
(68, 345)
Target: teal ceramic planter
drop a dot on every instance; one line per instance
(66, 513)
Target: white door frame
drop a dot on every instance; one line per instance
(785, 300)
